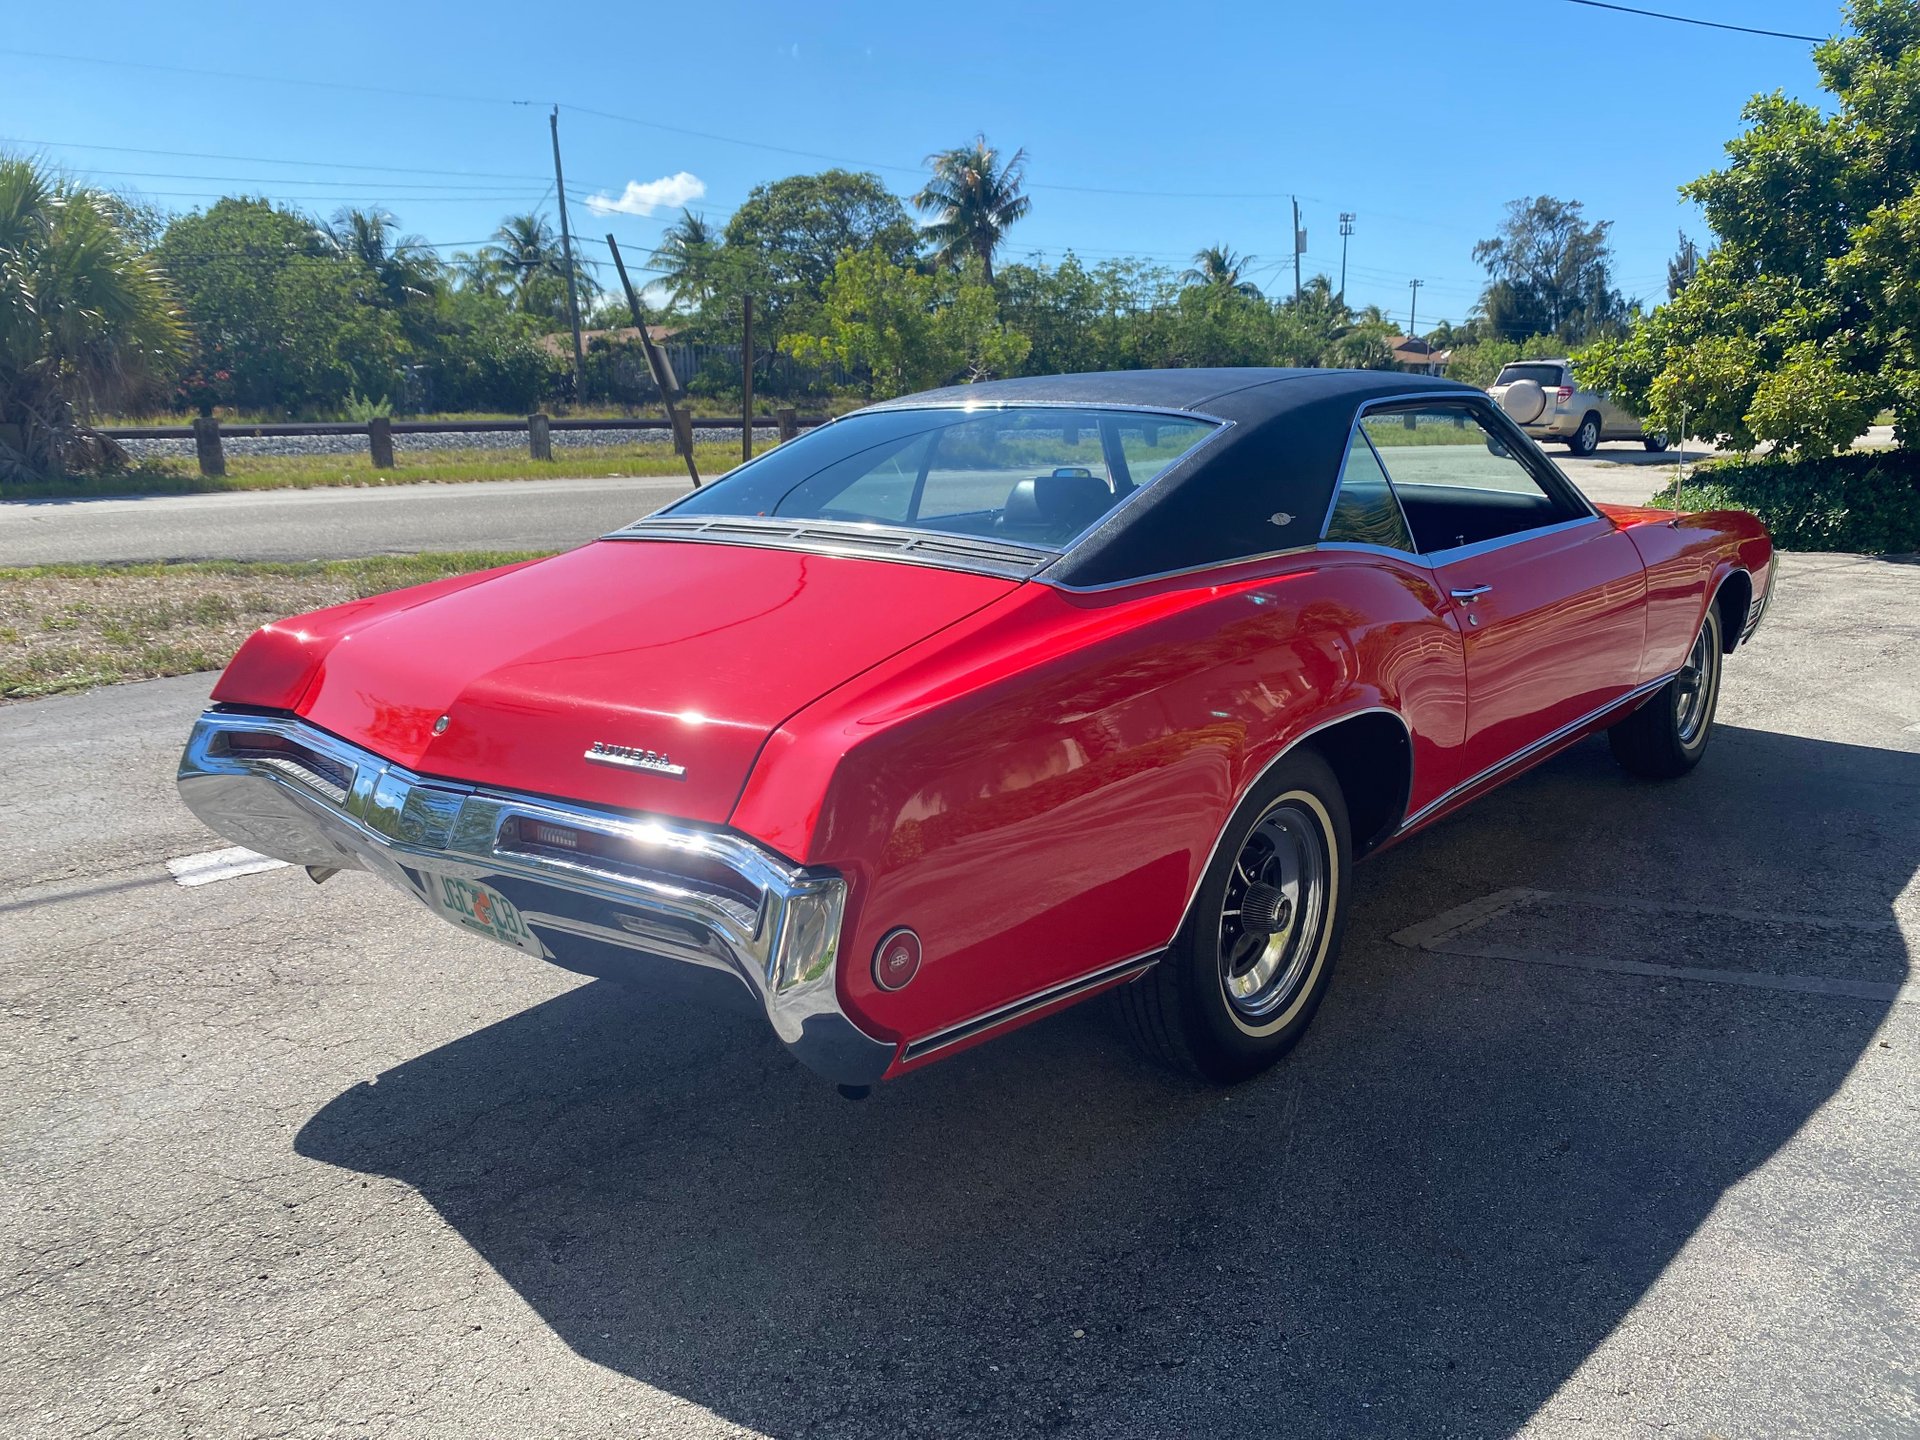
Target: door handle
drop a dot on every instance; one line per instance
(1470, 594)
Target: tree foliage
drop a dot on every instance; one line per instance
(86, 319)
(905, 330)
(973, 198)
(1549, 273)
(1803, 319)
(783, 243)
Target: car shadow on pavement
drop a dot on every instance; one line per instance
(1637, 454)
(1421, 1223)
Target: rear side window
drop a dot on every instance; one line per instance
(1364, 510)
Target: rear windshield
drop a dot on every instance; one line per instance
(1034, 475)
(1539, 374)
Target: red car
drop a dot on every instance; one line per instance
(969, 706)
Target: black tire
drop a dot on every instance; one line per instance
(1181, 1011)
(1586, 439)
(1654, 443)
(1666, 737)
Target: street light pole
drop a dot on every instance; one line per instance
(1346, 229)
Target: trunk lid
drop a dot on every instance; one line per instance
(671, 653)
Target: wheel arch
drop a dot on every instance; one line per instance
(1733, 598)
(1377, 794)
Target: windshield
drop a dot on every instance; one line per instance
(1035, 475)
(1542, 375)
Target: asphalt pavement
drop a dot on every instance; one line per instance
(488, 515)
(297, 1161)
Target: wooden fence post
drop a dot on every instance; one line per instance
(539, 437)
(789, 422)
(380, 442)
(746, 378)
(206, 445)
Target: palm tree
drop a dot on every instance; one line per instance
(974, 201)
(85, 319)
(689, 250)
(405, 268)
(525, 259)
(1218, 265)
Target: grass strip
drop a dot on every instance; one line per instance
(72, 627)
(412, 467)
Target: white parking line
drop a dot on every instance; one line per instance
(221, 865)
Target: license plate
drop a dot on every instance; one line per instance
(479, 908)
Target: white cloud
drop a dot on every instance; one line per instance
(645, 197)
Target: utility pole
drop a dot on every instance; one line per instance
(657, 362)
(746, 378)
(1346, 230)
(1299, 244)
(1413, 308)
(566, 254)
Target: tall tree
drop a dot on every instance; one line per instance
(1800, 323)
(1549, 272)
(403, 265)
(974, 199)
(1219, 265)
(687, 258)
(784, 240)
(526, 261)
(85, 318)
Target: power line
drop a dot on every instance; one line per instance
(274, 160)
(263, 79)
(1704, 24)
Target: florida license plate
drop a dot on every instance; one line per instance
(480, 908)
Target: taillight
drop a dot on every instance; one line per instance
(1563, 394)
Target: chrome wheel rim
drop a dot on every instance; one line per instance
(1275, 908)
(1693, 688)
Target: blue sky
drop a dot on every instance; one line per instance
(1151, 129)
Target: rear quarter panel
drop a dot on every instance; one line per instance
(1038, 792)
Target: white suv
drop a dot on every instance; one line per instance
(1542, 398)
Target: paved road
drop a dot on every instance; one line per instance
(494, 515)
(305, 1162)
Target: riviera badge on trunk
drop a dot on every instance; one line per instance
(629, 758)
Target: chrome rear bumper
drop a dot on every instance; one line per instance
(580, 878)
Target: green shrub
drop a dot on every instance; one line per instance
(1865, 501)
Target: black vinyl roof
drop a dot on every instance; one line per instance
(1264, 485)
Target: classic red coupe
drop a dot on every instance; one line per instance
(968, 706)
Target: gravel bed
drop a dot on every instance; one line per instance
(506, 440)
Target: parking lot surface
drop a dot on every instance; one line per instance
(1610, 1125)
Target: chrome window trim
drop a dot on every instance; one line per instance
(1528, 751)
(1013, 1010)
(1500, 542)
(1104, 585)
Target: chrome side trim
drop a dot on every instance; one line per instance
(1005, 1014)
(1757, 608)
(1546, 742)
(708, 898)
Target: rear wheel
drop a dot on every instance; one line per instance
(1241, 982)
(1656, 442)
(1667, 736)
(1586, 439)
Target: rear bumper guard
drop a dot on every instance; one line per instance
(640, 884)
